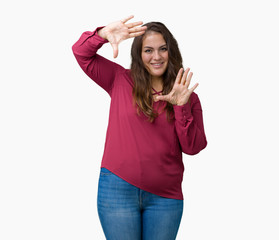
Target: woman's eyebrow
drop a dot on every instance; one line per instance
(159, 47)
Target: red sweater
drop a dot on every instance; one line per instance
(147, 155)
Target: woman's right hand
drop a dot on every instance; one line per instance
(118, 31)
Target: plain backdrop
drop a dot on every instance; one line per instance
(54, 118)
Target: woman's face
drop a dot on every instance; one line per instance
(154, 54)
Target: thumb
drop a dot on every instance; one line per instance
(160, 98)
(115, 50)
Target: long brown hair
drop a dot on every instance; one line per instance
(142, 93)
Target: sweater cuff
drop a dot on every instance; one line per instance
(99, 38)
(183, 113)
(94, 38)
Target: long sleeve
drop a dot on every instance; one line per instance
(101, 70)
(189, 126)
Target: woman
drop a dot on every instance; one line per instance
(154, 117)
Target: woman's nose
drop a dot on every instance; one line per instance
(156, 55)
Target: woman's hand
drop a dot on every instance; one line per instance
(180, 93)
(118, 31)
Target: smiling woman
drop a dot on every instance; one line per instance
(156, 60)
(139, 191)
(155, 56)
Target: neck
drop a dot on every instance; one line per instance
(157, 81)
(157, 84)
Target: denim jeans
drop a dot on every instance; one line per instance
(127, 212)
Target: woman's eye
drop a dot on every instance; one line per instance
(164, 49)
(148, 50)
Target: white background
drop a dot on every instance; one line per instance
(54, 118)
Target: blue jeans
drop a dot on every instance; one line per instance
(127, 212)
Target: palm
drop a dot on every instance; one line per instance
(118, 31)
(180, 93)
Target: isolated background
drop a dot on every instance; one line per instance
(54, 118)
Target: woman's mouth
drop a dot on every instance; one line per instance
(157, 65)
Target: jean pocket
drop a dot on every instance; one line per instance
(105, 171)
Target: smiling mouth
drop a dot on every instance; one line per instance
(156, 65)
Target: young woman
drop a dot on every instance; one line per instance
(154, 117)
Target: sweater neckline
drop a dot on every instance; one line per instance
(156, 91)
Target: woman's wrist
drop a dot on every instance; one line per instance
(102, 33)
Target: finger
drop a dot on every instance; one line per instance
(178, 77)
(184, 77)
(134, 24)
(161, 97)
(193, 88)
(115, 50)
(124, 20)
(136, 34)
(157, 98)
(189, 80)
(138, 29)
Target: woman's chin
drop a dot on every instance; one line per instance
(157, 74)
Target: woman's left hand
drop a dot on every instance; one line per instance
(180, 93)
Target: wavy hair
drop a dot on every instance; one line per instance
(142, 90)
